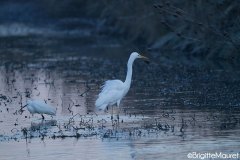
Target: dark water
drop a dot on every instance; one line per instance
(174, 107)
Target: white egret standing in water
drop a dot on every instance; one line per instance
(40, 107)
(114, 90)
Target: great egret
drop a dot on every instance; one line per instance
(114, 90)
(40, 107)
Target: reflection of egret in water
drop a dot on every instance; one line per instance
(38, 129)
(43, 124)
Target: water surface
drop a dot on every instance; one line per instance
(171, 109)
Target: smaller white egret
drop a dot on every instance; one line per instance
(40, 107)
(114, 90)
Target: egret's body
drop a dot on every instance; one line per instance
(112, 93)
(36, 106)
(114, 90)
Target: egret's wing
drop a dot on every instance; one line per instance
(43, 108)
(111, 92)
(111, 85)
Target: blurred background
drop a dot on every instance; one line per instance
(187, 31)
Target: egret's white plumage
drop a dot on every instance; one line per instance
(112, 93)
(114, 90)
(40, 107)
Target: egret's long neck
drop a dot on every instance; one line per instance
(129, 72)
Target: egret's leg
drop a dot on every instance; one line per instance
(118, 114)
(118, 111)
(112, 113)
(43, 117)
(112, 116)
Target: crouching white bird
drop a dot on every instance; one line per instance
(40, 107)
(114, 90)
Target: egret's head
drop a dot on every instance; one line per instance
(137, 55)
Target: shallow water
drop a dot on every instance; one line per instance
(170, 110)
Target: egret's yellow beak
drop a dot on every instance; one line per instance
(145, 59)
